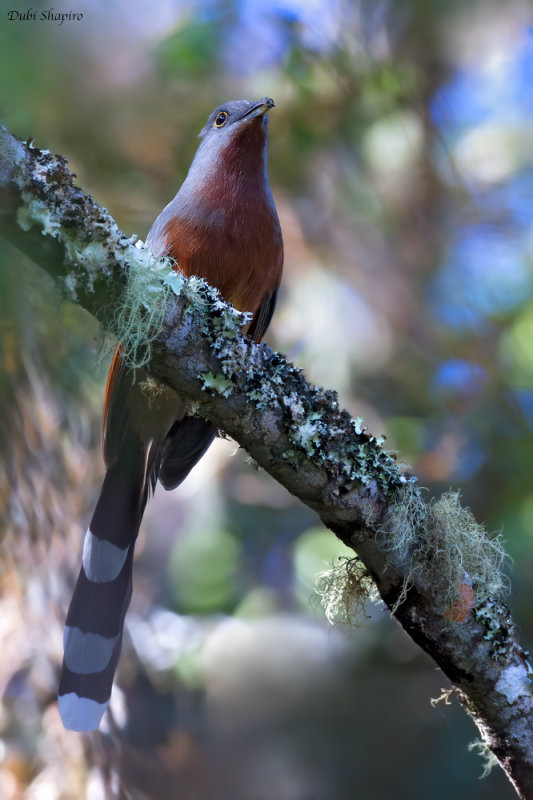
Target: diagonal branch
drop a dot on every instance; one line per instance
(433, 565)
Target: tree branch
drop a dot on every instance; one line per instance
(433, 565)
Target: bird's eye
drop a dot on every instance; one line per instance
(221, 118)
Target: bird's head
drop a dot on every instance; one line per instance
(231, 119)
(233, 143)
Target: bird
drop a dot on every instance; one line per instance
(222, 226)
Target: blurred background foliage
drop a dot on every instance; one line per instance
(401, 161)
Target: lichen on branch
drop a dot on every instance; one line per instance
(445, 550)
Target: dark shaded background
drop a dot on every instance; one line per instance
(401, 160)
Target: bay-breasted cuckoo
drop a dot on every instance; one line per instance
(222, 226)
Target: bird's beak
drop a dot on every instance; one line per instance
(259, 109)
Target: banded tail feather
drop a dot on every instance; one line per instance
(93, 630)
(95, 620)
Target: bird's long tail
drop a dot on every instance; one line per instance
(95, 620)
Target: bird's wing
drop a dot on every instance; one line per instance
(262, 316)
(185, 444)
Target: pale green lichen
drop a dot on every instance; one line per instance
(314, 424)
(444, 697)
(88, 234)
(221, 322)
(139, 319)
(440, 546)
(216, 383)
(358, 425)
(307, 434)
(488, 759)
(514, 682)
(344, 589)
(494, 617)
(37, 212)
(343, 446)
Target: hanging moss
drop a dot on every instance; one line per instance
(344, 589)
(437, 545)
(442, 546)
(140, 317)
